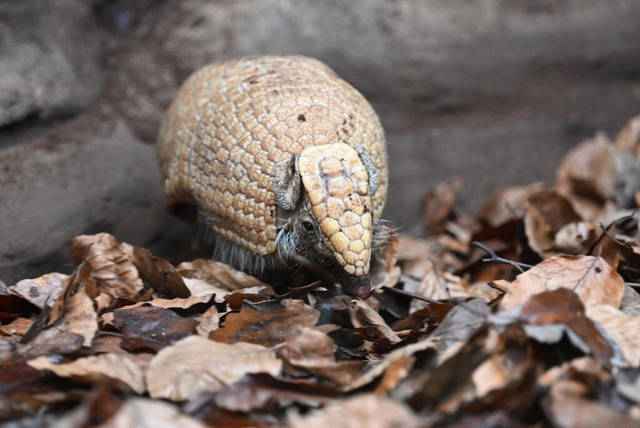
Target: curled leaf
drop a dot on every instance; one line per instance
(196, 365)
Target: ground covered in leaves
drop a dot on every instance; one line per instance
(527, 315)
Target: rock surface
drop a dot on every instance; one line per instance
(494, 92)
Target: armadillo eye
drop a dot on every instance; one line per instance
(308, 227)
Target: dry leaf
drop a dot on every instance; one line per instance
(411, 248)
(489, 376)
(378, 368)
(201, 292)
(365, 410)
(142, 412)
(236, 298)
(569, 409)
(546, 212)
(42, 291)
(218, 274)
(208, 321)
(547, 315)
(308, 347)
(195, 365)
(393, 375)
(46, 342)
(575, 238)
(313, 351)
(265, 327)
(622, 329)
(202, 289)
(115, 369)
(587, 177)
(439, 203)
(264, 392)
(156, 272)
(628, 139)
(434, 283)
(591, 278)
(116, 277)
(504, 205)
(73, 310)
(151, 328)
(370, 324)
(18, 326)
(588, 169)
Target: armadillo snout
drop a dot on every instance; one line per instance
(337, 184)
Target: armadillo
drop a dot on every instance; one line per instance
(285, 161)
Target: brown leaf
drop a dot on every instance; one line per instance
(41, 291)
(143, 412)
(441, 285)
(261, 293)
(622, 329)
(505, 380)
(546, 212)
(114, 369)
(158, 273)
(96, 408)
(218, 274)
(208, 321)
(379, 368)
(265, 327)
(587, 177)
(490, 376)
(47, 342)
(507, 204)
(629, 137)
(394, 373)
(439, 203)
(115, 275)
(73, 310)
(568, 409)
(588, 169)
(200, 288)
(460, 324)
(313, 350)
(435, 284)
(371, 325)
(563, 306)
(153, 328)
(308, 347)
(411, 248)
(453, 373)
(18, 326)
(575, 238)
(591, 278)
(201, 292)
(196, 365)
(263, 391)
(364, 410)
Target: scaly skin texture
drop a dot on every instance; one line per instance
(235, 127)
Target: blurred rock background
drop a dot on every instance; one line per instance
(492, 91)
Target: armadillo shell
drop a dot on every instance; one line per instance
(231, 123)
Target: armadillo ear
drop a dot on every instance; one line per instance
(286, 185)
(369, 166)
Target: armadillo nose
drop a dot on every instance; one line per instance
(361, 292)
(357, 286)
